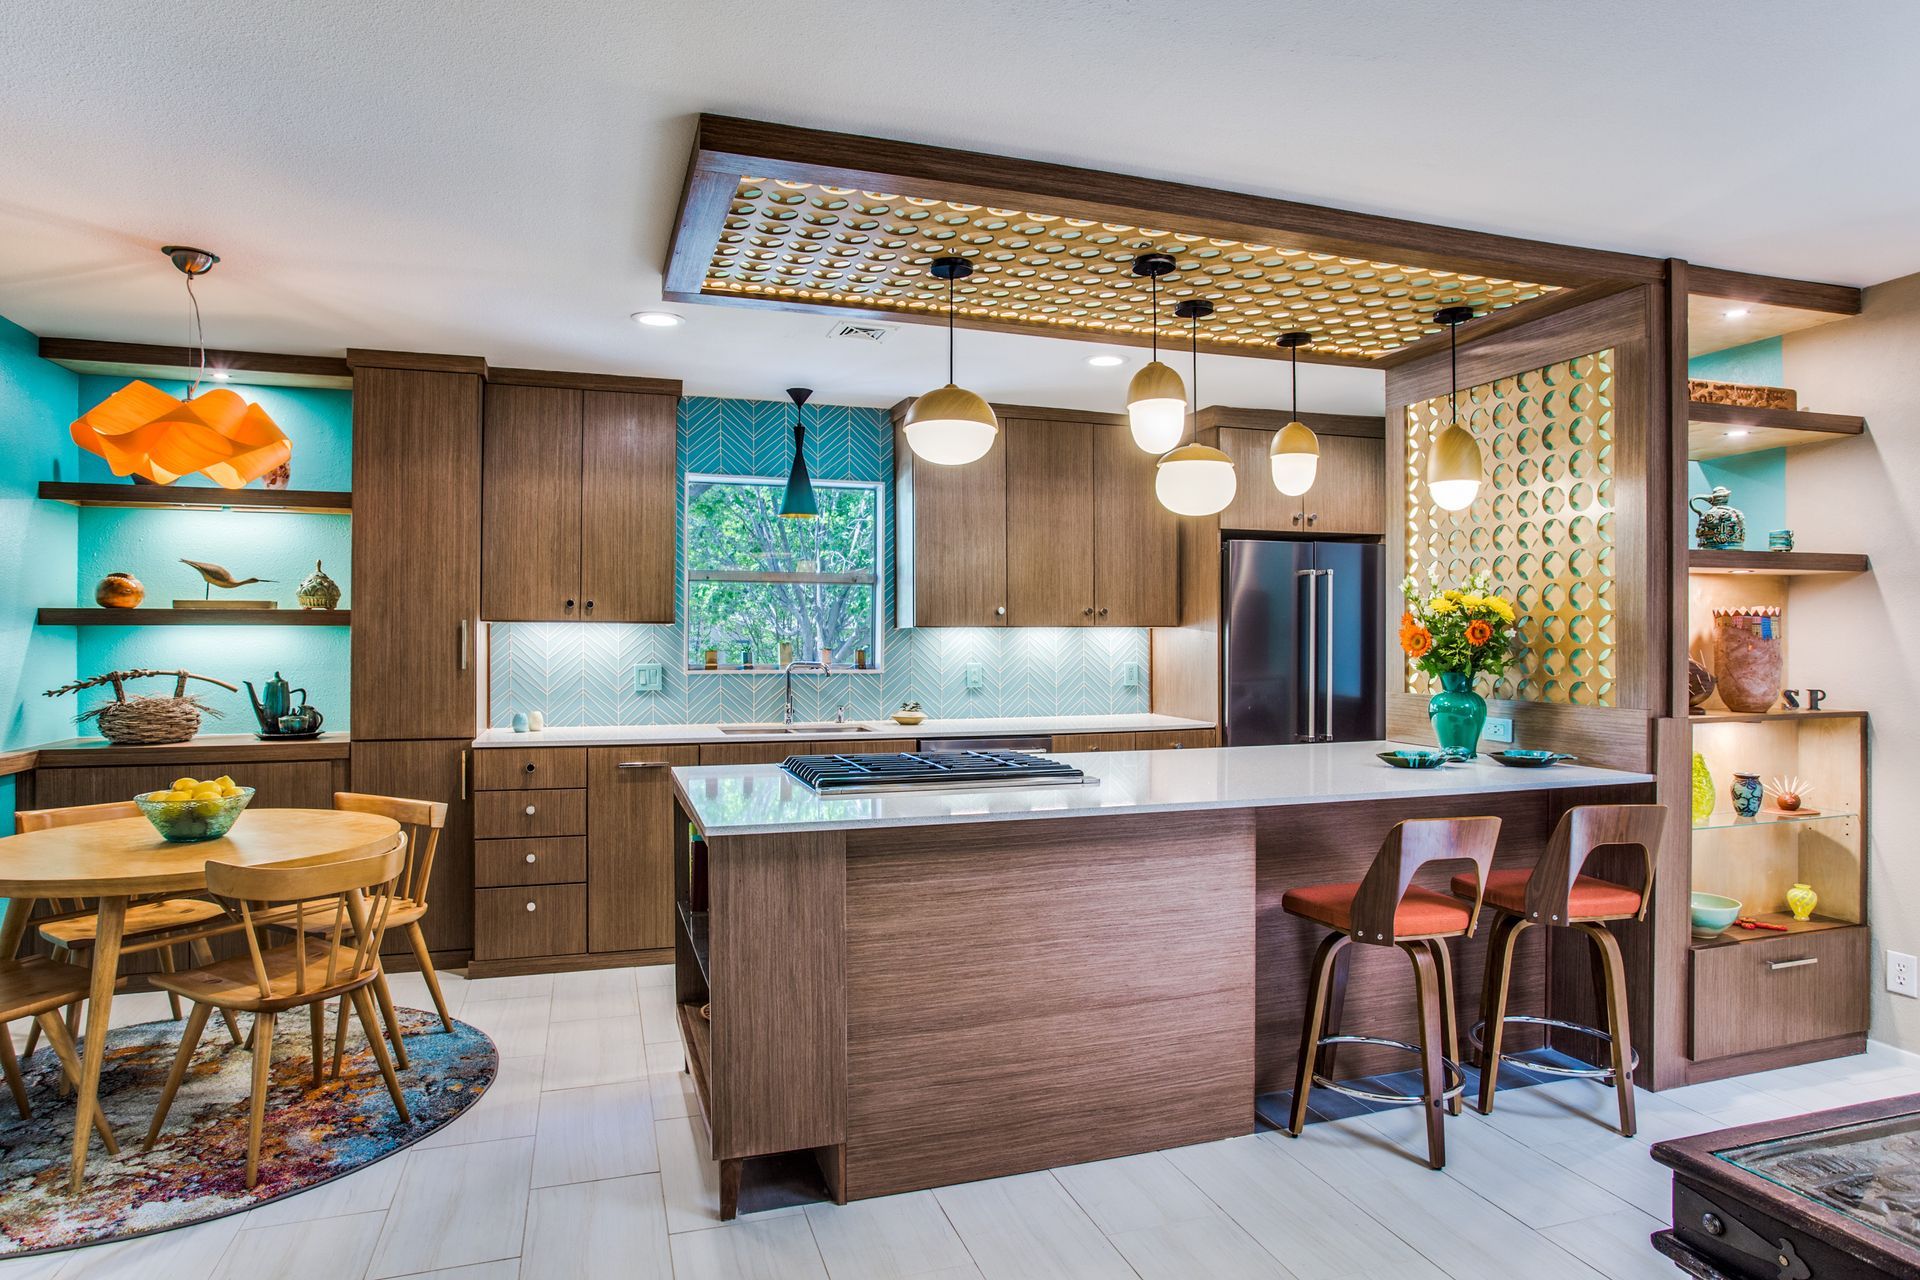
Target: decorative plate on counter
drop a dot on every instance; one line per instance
(1519, 758)
(1416, 758)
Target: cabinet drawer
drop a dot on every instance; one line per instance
(540, 920)
(529, 813)
(1173, 739)
(529, 768)
(561, 860)
(1778, 991)
(1065, 742)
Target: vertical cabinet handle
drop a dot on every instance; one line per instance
(1327, 726)
(1313, 642)
(463, 770)
(463, 644)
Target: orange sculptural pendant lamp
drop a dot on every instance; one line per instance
(141, 430)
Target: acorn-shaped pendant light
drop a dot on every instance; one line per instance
(1295, 452)
(1454, 467)
(952, 425)
(798, 502)
(1156, 400)
(1195, 479)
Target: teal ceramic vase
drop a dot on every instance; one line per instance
(1458, 713)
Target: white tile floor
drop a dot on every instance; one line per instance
(582, 1161)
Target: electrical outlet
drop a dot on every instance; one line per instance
(648, 677)
(1499, 729)
(1130, 677)
(975, 676)
(1903, 974)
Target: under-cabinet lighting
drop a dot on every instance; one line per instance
(1735, 314)
(219, 375)
(1737, 433)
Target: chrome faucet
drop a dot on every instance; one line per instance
(786, 716)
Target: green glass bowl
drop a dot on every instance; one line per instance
(1712, 914)
(191, 821)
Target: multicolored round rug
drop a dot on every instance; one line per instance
(197, 1170)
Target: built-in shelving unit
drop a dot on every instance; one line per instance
(1760, 717)
(194, 617)
(1779, 563)
(1789, 928)
(1724, 430)
(176, 498)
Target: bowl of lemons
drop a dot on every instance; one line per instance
(192, 810)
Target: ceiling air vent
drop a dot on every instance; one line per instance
(859, 331)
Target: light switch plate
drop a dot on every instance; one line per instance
(648, 677)
(975, 676)
(1130, 677)
(1499, 729)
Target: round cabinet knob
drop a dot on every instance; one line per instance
(1103, 611)
(1087, 612)
(529, 766)
(1296, 517)
(1313, 517)
(529, 811)
(569, 604)
(529, 858)
(589, 606)
(1001, 612)
(533, 906)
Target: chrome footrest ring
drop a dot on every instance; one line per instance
(1456, 1076)
(1476, 1036)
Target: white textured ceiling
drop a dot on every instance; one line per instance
(499, 178)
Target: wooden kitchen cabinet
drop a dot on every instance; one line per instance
(1050, 503)
(580, 486)
(1349, 493)
(416, 545)
(950, 538)
(430, 770)
(1136, 541)
(630, 846)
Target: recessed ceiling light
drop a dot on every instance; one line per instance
(1734, 313)
(1737, 433)
(657, 319)
(1105, 362)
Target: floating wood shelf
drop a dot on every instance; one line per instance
(1761, 717)
(1779, 563)
(1819, 924)
(194, 617)
(174, 497)
(1709, 426)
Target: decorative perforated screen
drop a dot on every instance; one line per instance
(1542, 525)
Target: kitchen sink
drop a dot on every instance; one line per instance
(806, 727)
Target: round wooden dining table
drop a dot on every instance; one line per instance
(126, 858)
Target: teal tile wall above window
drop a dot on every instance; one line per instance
(584, 673)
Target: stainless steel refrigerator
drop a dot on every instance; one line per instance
(1303, 641)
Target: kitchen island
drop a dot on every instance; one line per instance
(930, 987)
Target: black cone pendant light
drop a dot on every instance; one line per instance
(798, 502)
(951, 425)
(1454, 467)
(1194, 479)
(1294, 454)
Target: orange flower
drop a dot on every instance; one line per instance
(1406, 620)
(1478, 633)
(1416, 641)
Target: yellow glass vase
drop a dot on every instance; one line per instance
(1801, 900)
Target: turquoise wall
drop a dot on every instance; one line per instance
(583, 672)
(279, 547)
(37, 402)
(1758, 481)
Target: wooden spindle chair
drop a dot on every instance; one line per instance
(38, 988)
(157, 922)
(340, 912)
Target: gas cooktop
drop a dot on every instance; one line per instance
(930, 771)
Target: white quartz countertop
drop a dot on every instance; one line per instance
(734, 800)
(632, 735)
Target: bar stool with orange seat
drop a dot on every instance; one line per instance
(1387, 909)
(1556, 893)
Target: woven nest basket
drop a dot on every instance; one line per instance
(148, 721)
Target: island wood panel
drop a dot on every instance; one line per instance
(1029, 994)
(628, 506)
(1136, 541)
(950, 538)
(1050, 513)
(430, 770)
(630, 846)
(531, 526)
(777, 982)
(416, 553)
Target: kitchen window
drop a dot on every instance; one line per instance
(757, 581)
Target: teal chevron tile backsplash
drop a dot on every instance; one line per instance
(583, 673)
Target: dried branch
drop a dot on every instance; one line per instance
(116, 678)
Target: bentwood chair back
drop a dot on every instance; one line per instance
(338, 911)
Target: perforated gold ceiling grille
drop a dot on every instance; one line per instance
(834, 246)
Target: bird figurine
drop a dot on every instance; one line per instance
(219, 576)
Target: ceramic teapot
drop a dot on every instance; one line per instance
(273, 704)
(1721, 525)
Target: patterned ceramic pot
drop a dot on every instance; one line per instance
(1801, 900)
(1746, 791)
(318, 591)
(1749, 657)
(1458, 713)
(1720, 525)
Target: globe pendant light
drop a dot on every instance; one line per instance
(951, 426)
(1454, 467)
(798, 502)
(1295, 452)
(1195, 479)
(1156, 399)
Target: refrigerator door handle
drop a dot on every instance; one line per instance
(1328, 573)
(1313, 631)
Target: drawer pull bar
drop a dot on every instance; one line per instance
(1792, 964)
(533, 906)
(642, 764)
